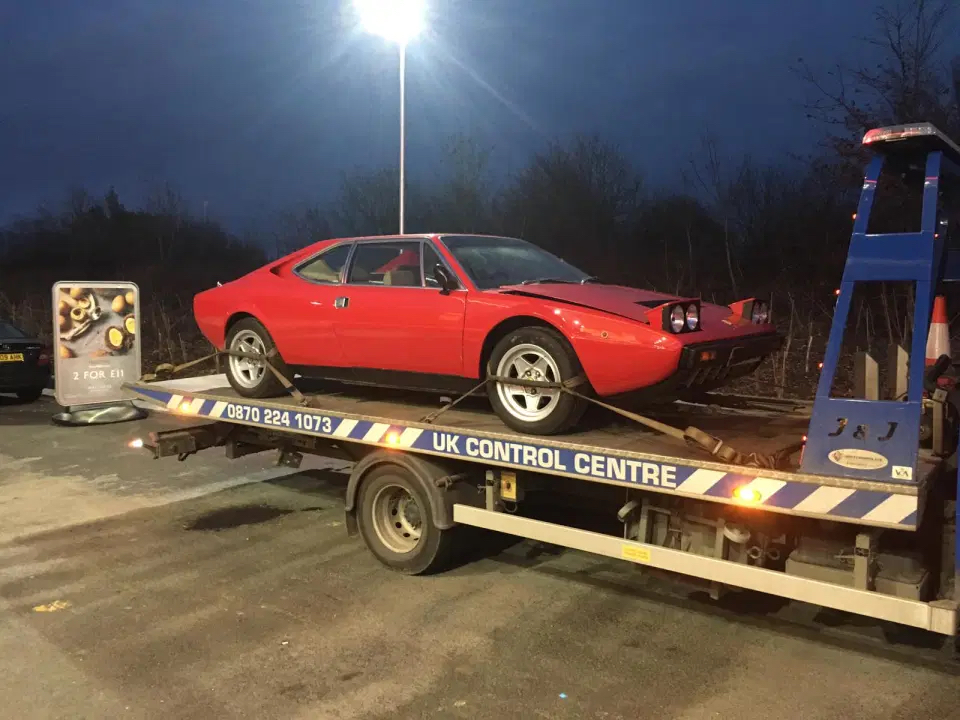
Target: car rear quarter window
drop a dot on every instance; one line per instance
(327, 266)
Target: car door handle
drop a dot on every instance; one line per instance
(341, 302)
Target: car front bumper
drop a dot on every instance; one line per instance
(706, 366)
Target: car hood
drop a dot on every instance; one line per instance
(634, 304)
(615, 299)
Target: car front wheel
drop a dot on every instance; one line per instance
(250, 377)
(543, 355)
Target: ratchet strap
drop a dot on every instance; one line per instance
(696, 438)
(692, 436)
(167, 370)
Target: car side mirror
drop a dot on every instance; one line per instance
(444, 280)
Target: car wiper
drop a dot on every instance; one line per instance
(589, 279)
(537, 281)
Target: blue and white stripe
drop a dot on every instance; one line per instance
(808, 495)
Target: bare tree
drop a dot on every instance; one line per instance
(462, 200)
(910, 83)
(724, 191)
(576, 199)
(368, 203)
(298, 227)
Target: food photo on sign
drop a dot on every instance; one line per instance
(96, 330)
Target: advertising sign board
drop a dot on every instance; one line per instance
(96, 331)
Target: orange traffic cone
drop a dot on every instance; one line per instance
(938, 339)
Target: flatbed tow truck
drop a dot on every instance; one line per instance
(844, 503)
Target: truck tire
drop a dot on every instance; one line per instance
(396, 523)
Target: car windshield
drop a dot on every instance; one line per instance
(493, 262)
(10, 331)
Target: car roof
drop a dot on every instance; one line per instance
(409, 236)
(330, 242)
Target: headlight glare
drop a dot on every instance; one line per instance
(677, 318)
(760, 313)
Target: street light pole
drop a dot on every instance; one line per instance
(403, 127)
(398, 21)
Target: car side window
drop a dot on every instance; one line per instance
(327, 266)
(431, 258)
(395, 264)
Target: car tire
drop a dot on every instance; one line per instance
(534, 413)
(31, 394)
(252, 382)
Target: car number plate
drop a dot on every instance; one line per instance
(11, 357)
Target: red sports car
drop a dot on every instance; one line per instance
(435, 312)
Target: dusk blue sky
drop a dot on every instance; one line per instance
(258, 105)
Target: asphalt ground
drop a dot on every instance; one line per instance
(216, 589)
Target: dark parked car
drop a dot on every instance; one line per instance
(24, 363)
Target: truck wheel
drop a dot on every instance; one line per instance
(251, 378)
(396, 523)
(542, 354)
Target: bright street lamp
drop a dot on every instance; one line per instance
(398, 21)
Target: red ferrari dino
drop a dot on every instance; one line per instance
(438, 312)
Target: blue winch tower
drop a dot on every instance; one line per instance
(880, 439)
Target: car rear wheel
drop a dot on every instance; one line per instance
(30, 394)
(540, 354)
(252, 378)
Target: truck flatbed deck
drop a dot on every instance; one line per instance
(609, 450)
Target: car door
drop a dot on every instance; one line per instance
(389, 319)
(300, 310)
